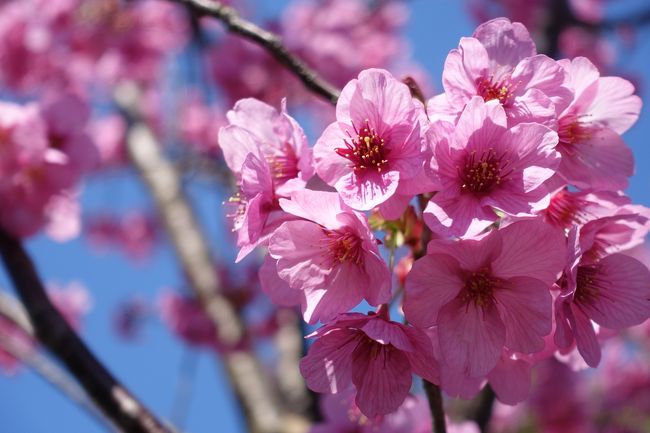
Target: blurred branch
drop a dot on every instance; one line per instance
(51, 329)
(260, 404)
(267, 40)
(482, 410)
(435, 405)
(12, 311)
(289, 342)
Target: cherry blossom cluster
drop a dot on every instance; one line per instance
(518, 246)
(44, 152)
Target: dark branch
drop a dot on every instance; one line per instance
(267, 40)
(435, 405)
(482, 411)
(115, 401)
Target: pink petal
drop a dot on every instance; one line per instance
(434, 281)
(615, 105)
(525, 305)
(530, 248)
(623, 299)
(463, 67)
(275, 287)
(510, 380)
(506, 43)
(585, 336)
(584, 162)
(471, 337)
(382, 376)
(327, 366)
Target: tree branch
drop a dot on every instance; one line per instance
(116, 402)
(260, 404)
(12, 311)
(481, 413)
(267, 40)
(435, 405)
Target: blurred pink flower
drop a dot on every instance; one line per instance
(316, 30)
(186, 319)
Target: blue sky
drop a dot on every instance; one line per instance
(151, 367)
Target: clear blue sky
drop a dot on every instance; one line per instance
(150, 368)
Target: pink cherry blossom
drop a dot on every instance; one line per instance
(612, 291)
(109, 135)
(484, 295)
(268, 153)
(580, 42)
(374, 355)
(500, 62)
(72, 300)
(200, 124)
(46, 152)
(482, 166)
(569, 208)
(376, 144)
(593, 153)
(330, 254)
(187, 320)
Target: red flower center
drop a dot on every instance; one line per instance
(482, 174)
(284, 165)
(479, 288)
(366, 151)
(587, 284)
(344, 246)
(501, 90)
(572, 129)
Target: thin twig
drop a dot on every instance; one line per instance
(51, 329)
(267, 40)
(55, 376)
(435, 405)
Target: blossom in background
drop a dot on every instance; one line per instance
(185, 317)
(45, 153)
(375, 146)
(316, 31)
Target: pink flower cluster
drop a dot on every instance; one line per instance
(71, 42)
(517, 167)
(44, 152)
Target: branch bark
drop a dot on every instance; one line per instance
(267, 40)
(11, 310)
(434, 396)
(259, 401)
(115, 401)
